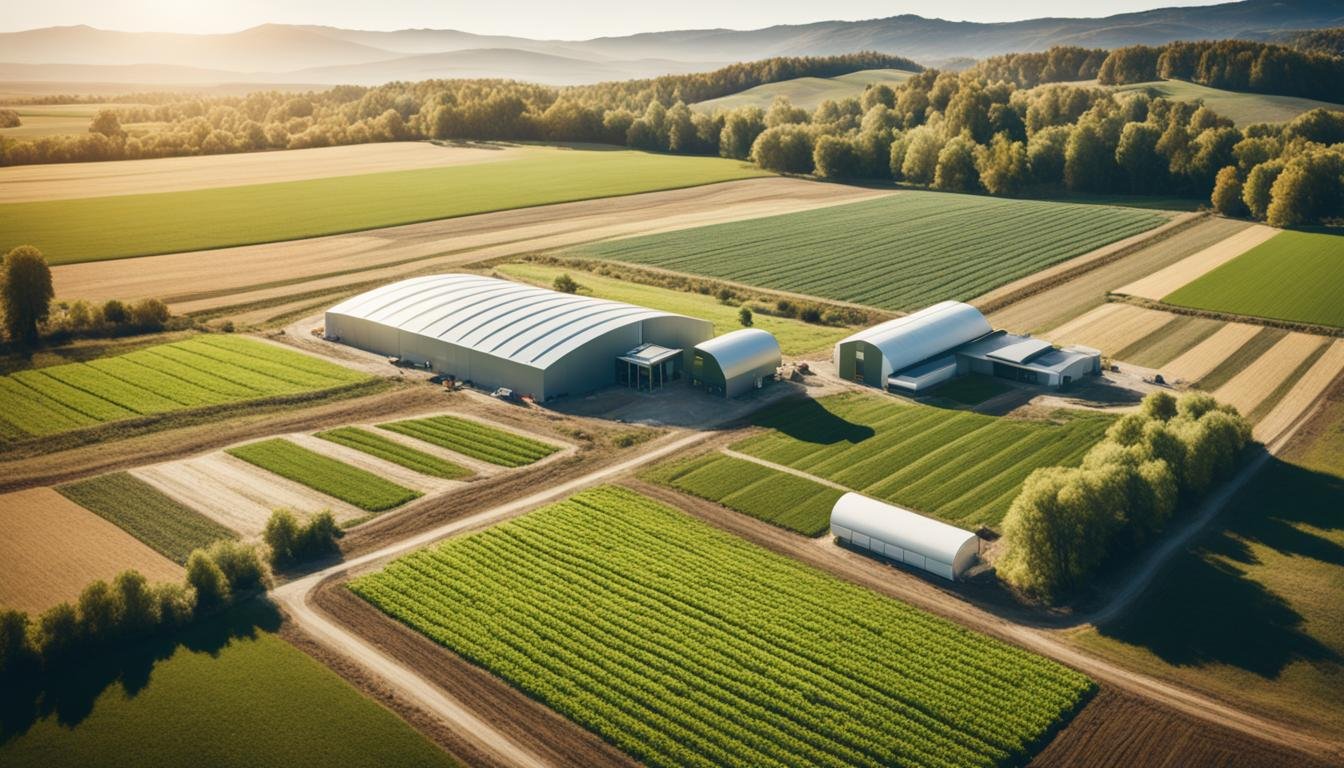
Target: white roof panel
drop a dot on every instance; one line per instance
(743, 350)
(894, 525)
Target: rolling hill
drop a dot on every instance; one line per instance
(806, 92)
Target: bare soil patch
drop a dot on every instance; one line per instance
(52, 548)
(173, 174)
(1258, 380)
(1120, 730)
(1201, 359)
(1162, 283)
(1111, 327)
(1304, 394)
(205, 280)
(236, 494)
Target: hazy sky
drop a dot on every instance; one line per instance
(530, 18)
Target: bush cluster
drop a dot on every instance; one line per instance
(1068, 522)
(291, 542)
(129, 608)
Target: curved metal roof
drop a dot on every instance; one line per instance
(907, 530)
(918, 336)
(742, 351)
(522, 323)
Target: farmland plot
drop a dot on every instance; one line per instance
(170, 527)
(686, 646)
(324, 474)
(899, 252)
(962, 467)
(201, 371)
(390, 450)
(474, 439)
(788, 501)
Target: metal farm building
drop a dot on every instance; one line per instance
(903, 536)
(735, 363)
(498, 333)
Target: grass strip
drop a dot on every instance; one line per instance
(325, 474)
(167, 526)
(390, 450)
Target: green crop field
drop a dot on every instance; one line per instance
(1292, 276)
(91, 229)
(795, 337)
(788, 501)
(201, 371)
(963, 467)
(900, 252)
(325, 474)
(1242, 108)
(167, 526)
(474, 439)
(686, 646)
(225, 693)
(391, 450)
(806, 92)
(1250, 611)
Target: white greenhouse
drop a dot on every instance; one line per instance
(735, 363)
(903, 536)
(535, 341)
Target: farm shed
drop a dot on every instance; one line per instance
(874, 354)
(735, 363)
(904, 536)
(497, 333)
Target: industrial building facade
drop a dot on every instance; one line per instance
(498, 333)
(914, 353)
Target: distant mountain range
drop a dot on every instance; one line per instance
(275, 53)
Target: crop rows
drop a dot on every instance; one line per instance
(390, 450)
(788, 501)
(169, 527)
(471, 438)
(686, 646)
(956, 465)
(898, 252)
(324, 474)
(207, 370)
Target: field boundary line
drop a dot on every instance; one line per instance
(1226, 317)
(1173, 277)
(1051, 277)
(785, 469)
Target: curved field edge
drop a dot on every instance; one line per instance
(897, 252)
(94, 229)
(684, 645)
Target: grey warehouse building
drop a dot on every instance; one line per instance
(913, 353)
(735, 363)
(498, 333)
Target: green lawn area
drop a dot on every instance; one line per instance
(169, 527)
(391, 450)
(788, 501)
(325, 474)
(91, 229)
(1292, 276)
(1242, 108)
(971, 390)
(226, 694)
(806, 92)
(795, 337)
(201, 371)
(474, 439)
(686, 646)
(899, 252)
(959, 466)
(1251, 611)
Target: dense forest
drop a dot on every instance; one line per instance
(994, 128)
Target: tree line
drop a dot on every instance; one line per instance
(1235, 65)
(1068, 523)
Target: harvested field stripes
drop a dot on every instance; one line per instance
(901, 252)
(1254, 384)
(171, 528)
(788, 501)
(389, 450)
(474, 439)
(1242, 358)
(955, 465)
(684, 645)
(193, 373)
(1173, 339)
(325, 475)
(1200, 360)
(1157, 285)
(1328, 367)
(1111, 330)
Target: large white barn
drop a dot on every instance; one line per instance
(498, 333)
(903, 536)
